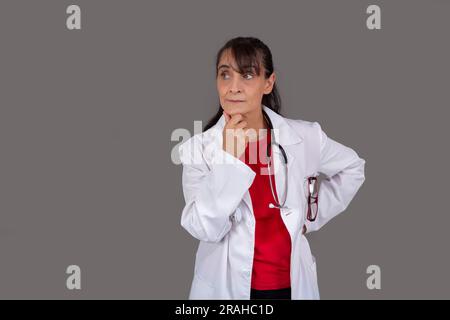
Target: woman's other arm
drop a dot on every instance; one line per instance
(344, 171)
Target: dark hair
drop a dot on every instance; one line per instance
(249, 51)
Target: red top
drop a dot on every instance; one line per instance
(272, 252)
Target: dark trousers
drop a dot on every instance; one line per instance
(284, 294)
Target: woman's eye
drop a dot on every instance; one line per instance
(247, 76)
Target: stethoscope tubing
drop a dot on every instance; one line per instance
(269, 164)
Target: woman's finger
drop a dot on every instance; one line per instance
(236, 119)
(241, 125)
(227, 117)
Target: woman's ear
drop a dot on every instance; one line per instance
(269, 83)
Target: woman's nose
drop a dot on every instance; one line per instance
(236, 85)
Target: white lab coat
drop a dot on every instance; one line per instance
(219, 212)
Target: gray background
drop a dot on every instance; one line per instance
(86, 117)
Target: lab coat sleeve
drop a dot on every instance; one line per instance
(344, 172)
(211, 192)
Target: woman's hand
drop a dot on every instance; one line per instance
(235, 134)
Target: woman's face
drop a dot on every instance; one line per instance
(241, 93)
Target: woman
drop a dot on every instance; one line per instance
(251, 215)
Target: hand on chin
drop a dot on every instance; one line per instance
(233, 110)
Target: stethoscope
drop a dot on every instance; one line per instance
(311, 180)
(269, 164)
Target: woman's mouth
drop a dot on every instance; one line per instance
(235, 101)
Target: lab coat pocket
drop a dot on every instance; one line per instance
(200, 289)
